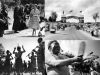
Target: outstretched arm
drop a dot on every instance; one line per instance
(61, 62)
(50, 60)
(23, 49)
(14, 50)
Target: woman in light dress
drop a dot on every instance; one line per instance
(34, 19)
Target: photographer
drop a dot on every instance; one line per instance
(56, 63)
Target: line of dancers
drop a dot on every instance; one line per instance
(36, 63)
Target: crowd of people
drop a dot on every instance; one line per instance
(32, 12)
(92, 28)
(20, 66)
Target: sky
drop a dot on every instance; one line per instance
(72, 46)
(88, 8)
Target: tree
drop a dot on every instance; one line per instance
(96, 16)
(32, 1)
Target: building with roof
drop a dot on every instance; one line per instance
(78, 17)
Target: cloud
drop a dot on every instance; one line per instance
(93, 8)
(85, 3)
(72, 4)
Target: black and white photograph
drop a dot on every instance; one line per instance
(22, 56)
(72, 57)
(22, 18)
(72, 19)
(49, 37)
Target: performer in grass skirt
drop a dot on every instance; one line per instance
(40, 56)
(7, 62)
(33, 61)
(18, 59)
(34, 19)
(29, 67)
